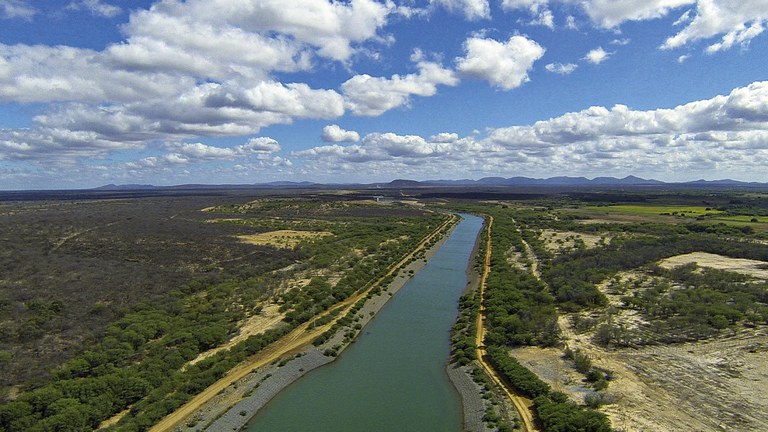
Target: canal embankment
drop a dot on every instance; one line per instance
(233, 406)
(393, 377)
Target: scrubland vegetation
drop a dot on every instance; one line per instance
(104, 304)
(677, 305)
(141, 337)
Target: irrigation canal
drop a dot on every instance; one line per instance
(393, 377)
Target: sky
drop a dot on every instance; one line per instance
(168, 92)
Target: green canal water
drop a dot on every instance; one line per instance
(393, 377)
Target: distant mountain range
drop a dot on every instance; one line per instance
(552, 181)
(277, 184)
(560, 181)
(563, 181)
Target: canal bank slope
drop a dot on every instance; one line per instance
(473, 404)
(233, 405)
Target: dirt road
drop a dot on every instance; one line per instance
(522, 405)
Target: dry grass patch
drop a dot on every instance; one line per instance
(394, 240)
(286, 239)
(758, 269)
(518, 260)
(566, 240)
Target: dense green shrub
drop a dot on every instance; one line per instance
(566, 416)
(516, 374)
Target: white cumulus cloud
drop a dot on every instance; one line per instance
(334, 133)
(195, 152)
(17, 9)
(539, 9)
(504, 64)
(61, 74)
(734, 22)
(727, 133)
(611, 13)
(597, 55)
(371, 96)
(444, 137)
(331, 27)
(259, 145)
(738, 22)
(472, 9)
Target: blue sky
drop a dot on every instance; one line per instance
(226, 91)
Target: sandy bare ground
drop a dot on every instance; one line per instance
(719, 384)
(282, 238)
(705, 386)
(715, 385)
(758, 269)
(557, 240)
(293, 342)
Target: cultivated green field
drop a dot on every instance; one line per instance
(661, 210)
(743, 219)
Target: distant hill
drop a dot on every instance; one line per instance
(399, 183)
(559, 181)
(552, 181)
(724, 182)
(114, 187)
(137, 187)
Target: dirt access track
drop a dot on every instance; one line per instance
(712, 385)
(522, 404)
(291, 343)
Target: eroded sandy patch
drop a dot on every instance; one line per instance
(282, 238)
(550, 365)
(703, 386)
(566, 240)
(714, 385)
(711, 385)
(754, 268)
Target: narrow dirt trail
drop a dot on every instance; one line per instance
(522, 404)
(246, 331)
(534, 259)
(75, 235)
(293, 342)
(562, 321)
